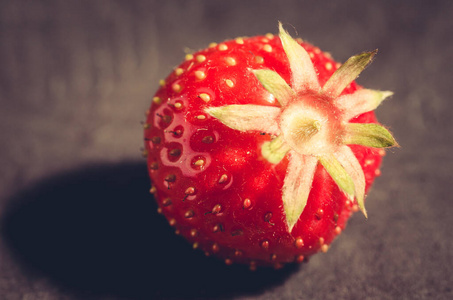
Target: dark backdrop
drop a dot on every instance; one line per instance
(77, 221)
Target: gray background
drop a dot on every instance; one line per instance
(76, 220)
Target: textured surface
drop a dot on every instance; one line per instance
(77, 221)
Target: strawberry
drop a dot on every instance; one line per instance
(260, 149)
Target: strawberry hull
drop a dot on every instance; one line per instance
(212, 182)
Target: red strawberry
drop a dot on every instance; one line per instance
(260, 149)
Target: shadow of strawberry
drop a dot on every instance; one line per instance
(96, 230)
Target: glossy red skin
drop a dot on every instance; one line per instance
(257, 234)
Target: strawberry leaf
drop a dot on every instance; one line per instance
(338, 173)
(360, 102)
(348, 160)
(303, 72)
(297, 186)
(275, 85)
(370, 135)
(349, 71)
(275, 150)
(247, 117)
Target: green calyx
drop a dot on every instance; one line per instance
(308, 133)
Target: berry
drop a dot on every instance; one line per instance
(260, 149)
